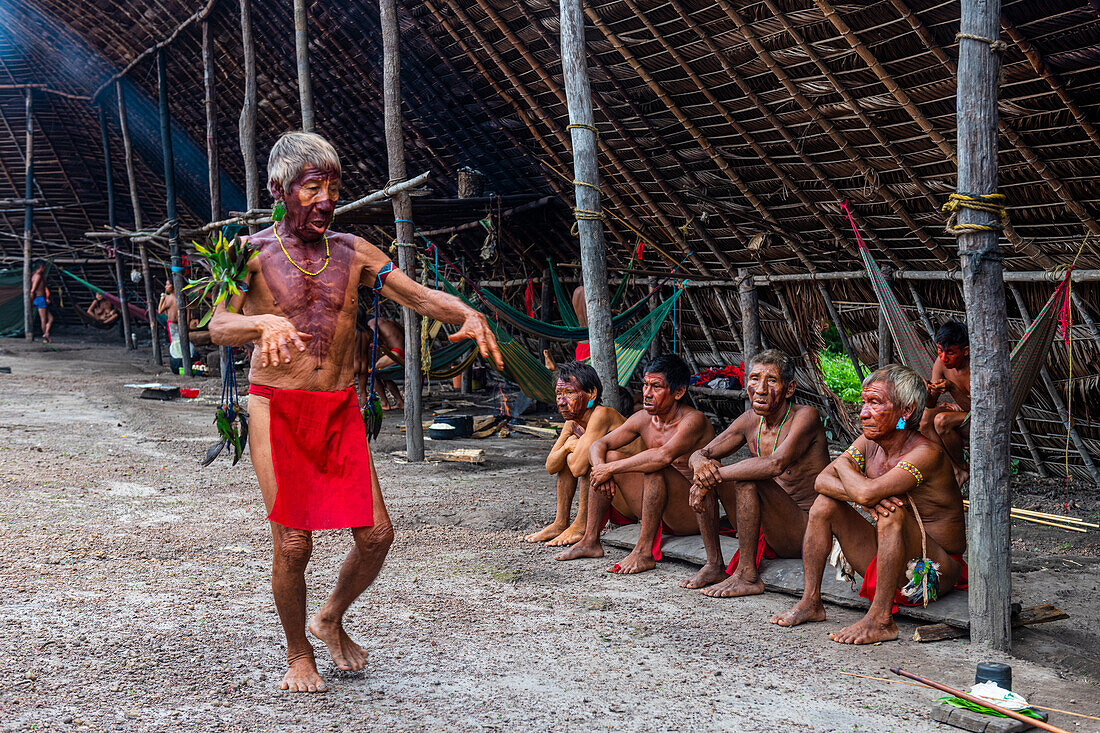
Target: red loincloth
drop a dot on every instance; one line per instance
(618, 518)
(584, 350)
(763, 550)
(321, 458)
(870, 579)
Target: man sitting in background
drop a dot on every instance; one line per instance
(944, 423)
(578, 393)
(767, 496)
(102, 310)
(653, 484)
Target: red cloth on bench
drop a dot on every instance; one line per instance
(618, 518)
(763, 550)
(870, 581)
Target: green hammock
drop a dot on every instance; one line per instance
(542, 329)
(565, 303)
(1025, 361)
(135, 310)
(537, 382)
(447, 362)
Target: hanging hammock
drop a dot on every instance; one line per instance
(565, 303)
(542, 329)
(1025, 361)
(135, 311)
(447, 362)
(537, 382)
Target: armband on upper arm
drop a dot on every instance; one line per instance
(383, 273)
(857, 456)
(907, 466)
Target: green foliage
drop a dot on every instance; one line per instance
(840, 375)
(227, 264)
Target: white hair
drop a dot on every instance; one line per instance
(293, 152)
(906, 388)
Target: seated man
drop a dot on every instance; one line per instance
(766, 496)
(103, 311)
(390, 351)
(905, 481)
(943, 424)
(653, 484)
(578, 391)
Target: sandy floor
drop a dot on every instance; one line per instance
(135, 596)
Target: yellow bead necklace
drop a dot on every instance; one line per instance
(302, 269)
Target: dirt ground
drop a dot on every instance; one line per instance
(135, 596)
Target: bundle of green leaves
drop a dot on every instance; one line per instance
(226, 263)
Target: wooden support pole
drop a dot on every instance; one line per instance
(1087, 318)
(1059, 403)
(170, 204)
(589, 209)
(28, 217)
(544, 307)
(402, 213)
(213, 167)
(301, 53)
(990, 596)
(924, 319)
(1036, 457)
(885, 341)
(247, 123)
(750, 320)
(135, 206)
(655, 344)
(111, 222)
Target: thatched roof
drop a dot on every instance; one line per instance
(730, 131)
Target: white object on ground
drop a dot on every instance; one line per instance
(997, 695)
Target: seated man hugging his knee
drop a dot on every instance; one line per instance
(767, 496)
(578, 393)
(653, 484)
(912, 554)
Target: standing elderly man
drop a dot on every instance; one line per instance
(308, 443)
(907, 483)
(768, 495)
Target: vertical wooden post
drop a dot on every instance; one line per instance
(402, 213)
(544, 307)
(750, 319)
(111, 221)
(247, 124)
(586, 176)
(213, 168)
(135, 205)
(885, 341)
(170, 204)
(301, 52)
(983, 286)
(654, 345)
(28, 218)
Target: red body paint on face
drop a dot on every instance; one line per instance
(571, 401)
(953, 357)
(311, 202)
(657, 397)
(765, 389)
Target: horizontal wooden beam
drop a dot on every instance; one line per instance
(1023, 276)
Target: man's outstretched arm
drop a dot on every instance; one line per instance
(444, 307)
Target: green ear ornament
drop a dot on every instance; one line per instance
(278, 211)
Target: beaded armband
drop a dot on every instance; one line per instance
(383, 273)
(858, 457)
(907, 466)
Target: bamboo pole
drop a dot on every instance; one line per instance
(301, 54)
(750, 319)
(589, 208)
(1059, 404)
(110, 177)
(924, 319)
(402, 212)
(28, 216)
(1033, 449)
(135, 206)
(1017, 276)
(990, 596)
(247, 122)
(170, 205)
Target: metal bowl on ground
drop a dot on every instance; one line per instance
(441, 431)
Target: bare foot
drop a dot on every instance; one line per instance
(867, 630)
(735, 585)
(804, 611)
(548, 532)
(635, 562)
(301, 676)
(345, 653)
(572, 535)
(707, 575)
(580, 550)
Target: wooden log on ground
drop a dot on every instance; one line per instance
(983, 286)
(135, 207)
(1041, 614)
(170, 205)
(589, 208)
(402, 212)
